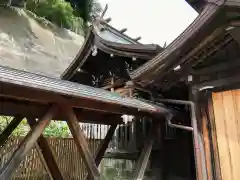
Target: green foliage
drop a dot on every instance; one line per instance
(57, 129)
(21, 130)
(59, 12)
(69, 14)
(54, 129)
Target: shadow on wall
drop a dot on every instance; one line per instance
(34, 44)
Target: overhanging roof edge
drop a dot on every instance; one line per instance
(174, 49)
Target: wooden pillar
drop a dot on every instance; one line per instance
(207, 148)
(47, 154)
(213, 139)
(201, 172)
(81, 143)
(9, 129)
(141, 164)
(26, 145)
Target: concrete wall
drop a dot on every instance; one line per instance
(35, 45)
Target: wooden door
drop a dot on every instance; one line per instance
(226, 106)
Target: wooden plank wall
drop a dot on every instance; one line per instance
(226, 107)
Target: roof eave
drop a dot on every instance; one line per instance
(81, 55)
(169, 58)
(125, 50)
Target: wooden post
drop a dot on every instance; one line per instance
(26, 145)
(201, 172)
(141, 164)
(9, 129)
(47, 154)
(214, 143)
(81, 143)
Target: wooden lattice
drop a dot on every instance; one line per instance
(64, 149)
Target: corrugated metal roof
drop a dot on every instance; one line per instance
(26, 79)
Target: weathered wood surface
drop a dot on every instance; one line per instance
(205, 132)
(82, 144)
(103, 146)
(142, 162)
(47, 154)
(44, 162)
(21, 108)
(227, 113)
(214, 145)
(26, 145)
(41, 89)
(9, 129)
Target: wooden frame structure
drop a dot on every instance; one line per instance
(202, 53)
(20, 87)
(212, 37)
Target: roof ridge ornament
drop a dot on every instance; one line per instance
(104, 12)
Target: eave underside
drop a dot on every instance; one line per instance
(202, 39)
(20, 89)
(140, 52)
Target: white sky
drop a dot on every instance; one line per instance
(156, 21)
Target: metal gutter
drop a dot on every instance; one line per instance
(198, 149)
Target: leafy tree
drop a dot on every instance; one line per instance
(57, 129)
(54, 129)
(70, 14)
(59, 12)
(86, 9)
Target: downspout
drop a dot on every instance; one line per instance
(198, 149)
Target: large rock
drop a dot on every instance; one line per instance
(35, 45)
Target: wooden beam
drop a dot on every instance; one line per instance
(81, 143)
(9, 129)
(47, 153)
(39, 151)
(26, 145)
(11, 107)
(225, 66)
(103, 146)
(219, 83)
(47, 97)
(141, 164)
(122, 155)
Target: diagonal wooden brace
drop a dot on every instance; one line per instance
(39, 151)
(47, 154)
(9, 129)
(104, 145)
(141, 164)
(26, 145)
(81, 143)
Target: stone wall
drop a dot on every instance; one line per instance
(35, 45)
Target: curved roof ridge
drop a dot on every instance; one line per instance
(171, 53)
